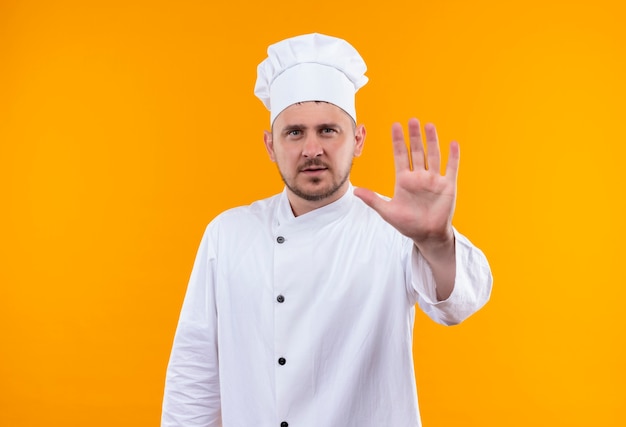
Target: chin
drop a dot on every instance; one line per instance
(317, 193)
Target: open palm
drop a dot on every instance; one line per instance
(423, 202)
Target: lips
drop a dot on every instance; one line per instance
(313, 167)
(313, 171)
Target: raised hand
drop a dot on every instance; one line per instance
(423, 202)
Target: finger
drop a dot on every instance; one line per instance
(432, 145)
(371, 199)
(417, 146)
(400, 153)
(452, 167)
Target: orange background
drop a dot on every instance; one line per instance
(125, 126)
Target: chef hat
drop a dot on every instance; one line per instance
(311, 67)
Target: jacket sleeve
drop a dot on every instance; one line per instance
(192, 387)
(472, 285)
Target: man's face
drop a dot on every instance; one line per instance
(313, 144)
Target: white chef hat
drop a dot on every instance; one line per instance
(311, 67)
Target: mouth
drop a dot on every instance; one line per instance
(313, 170)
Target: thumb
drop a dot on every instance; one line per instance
(371, 199)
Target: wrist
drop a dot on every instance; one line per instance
(436, 243)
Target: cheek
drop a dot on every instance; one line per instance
(285, 159)
(349, 152)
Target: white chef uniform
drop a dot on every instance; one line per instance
(307, 321)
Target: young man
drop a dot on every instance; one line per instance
(299, 311)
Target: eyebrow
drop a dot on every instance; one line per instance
(289, 128)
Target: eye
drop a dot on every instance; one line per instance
(294, 132)
(328, 131)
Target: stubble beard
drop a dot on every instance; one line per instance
(316, 196)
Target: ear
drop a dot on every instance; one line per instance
(268, 139)
(359, 140)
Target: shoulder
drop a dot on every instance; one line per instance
(252, 215)
(360, 209)
(368, 219)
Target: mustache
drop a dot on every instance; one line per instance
(313, 163)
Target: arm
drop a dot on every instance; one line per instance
(472, 284)
(192, 389)
(423, 205)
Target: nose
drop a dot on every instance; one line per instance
(312, 147)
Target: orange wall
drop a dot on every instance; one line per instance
(125, 128)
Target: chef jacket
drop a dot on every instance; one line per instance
(307, 321)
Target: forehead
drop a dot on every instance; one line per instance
(311, 113)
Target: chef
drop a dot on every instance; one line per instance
(300, 308)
